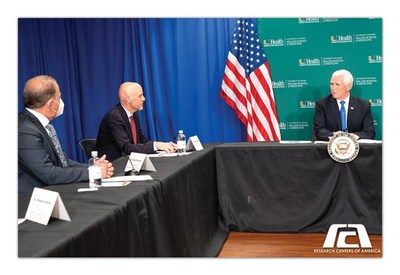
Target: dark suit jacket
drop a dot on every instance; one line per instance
(327, 118)
(115, 136)
(38, 162)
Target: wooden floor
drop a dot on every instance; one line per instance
(251, 245)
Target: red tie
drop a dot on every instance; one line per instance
(133, 128)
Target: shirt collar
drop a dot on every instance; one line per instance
(345, 100)
(129, 114)
(43, 120)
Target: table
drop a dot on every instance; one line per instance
(173, 215)
(275, 187)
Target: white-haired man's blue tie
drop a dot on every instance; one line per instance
(343, 116)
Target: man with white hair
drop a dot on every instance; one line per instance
(342, 112)
(120, 132)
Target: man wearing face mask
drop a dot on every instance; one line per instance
(41, 160)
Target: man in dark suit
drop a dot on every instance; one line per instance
(355, 117)
(41, 161)
(120, 132)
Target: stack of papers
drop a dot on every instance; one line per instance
(320, 142)
(123, 180)
(295, 141)
(369, 141)
(361, 141)
(165, 155)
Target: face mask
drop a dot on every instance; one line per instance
(60, 110)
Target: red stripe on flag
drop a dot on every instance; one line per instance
(232, 104)
(246, 86)
(239, 77)
(230, 84)
(262, 104)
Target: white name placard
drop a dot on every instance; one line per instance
(45, 204)
(138, 161)
(194, 143)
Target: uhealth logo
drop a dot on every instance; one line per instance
(341, 38)
(279, 42)
(309, 62)
(374, 58)
(307, 20)
(375, 101)
(307, 104)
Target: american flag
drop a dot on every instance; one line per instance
(246, 85)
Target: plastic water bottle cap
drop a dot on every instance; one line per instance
(180, 131)
(94, 153)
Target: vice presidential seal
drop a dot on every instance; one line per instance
(343, 147)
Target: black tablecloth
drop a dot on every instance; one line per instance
(273, 187)
(175, 214)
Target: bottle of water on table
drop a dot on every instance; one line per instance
(181, 142)
(94, 171)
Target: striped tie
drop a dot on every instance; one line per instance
(56, 142)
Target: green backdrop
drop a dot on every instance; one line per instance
(304, 52)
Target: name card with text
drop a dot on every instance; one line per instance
(194, 143)
(138, 161)
(45, 204)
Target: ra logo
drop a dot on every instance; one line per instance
(351, 230)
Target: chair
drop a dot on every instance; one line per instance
(88, 145)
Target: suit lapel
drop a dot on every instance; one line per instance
(48, 144)
(335, 111)
(350, 112)
(125, 119)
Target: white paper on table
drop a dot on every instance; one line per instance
(123, 180)
(320, 142)
(45, 204)
(295, 141)
(194, 143)
(114, 183)
(162, 154)
(138, 161)
(128, 178)
(372, 141)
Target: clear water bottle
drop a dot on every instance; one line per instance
(94, 171)
(181, 142)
